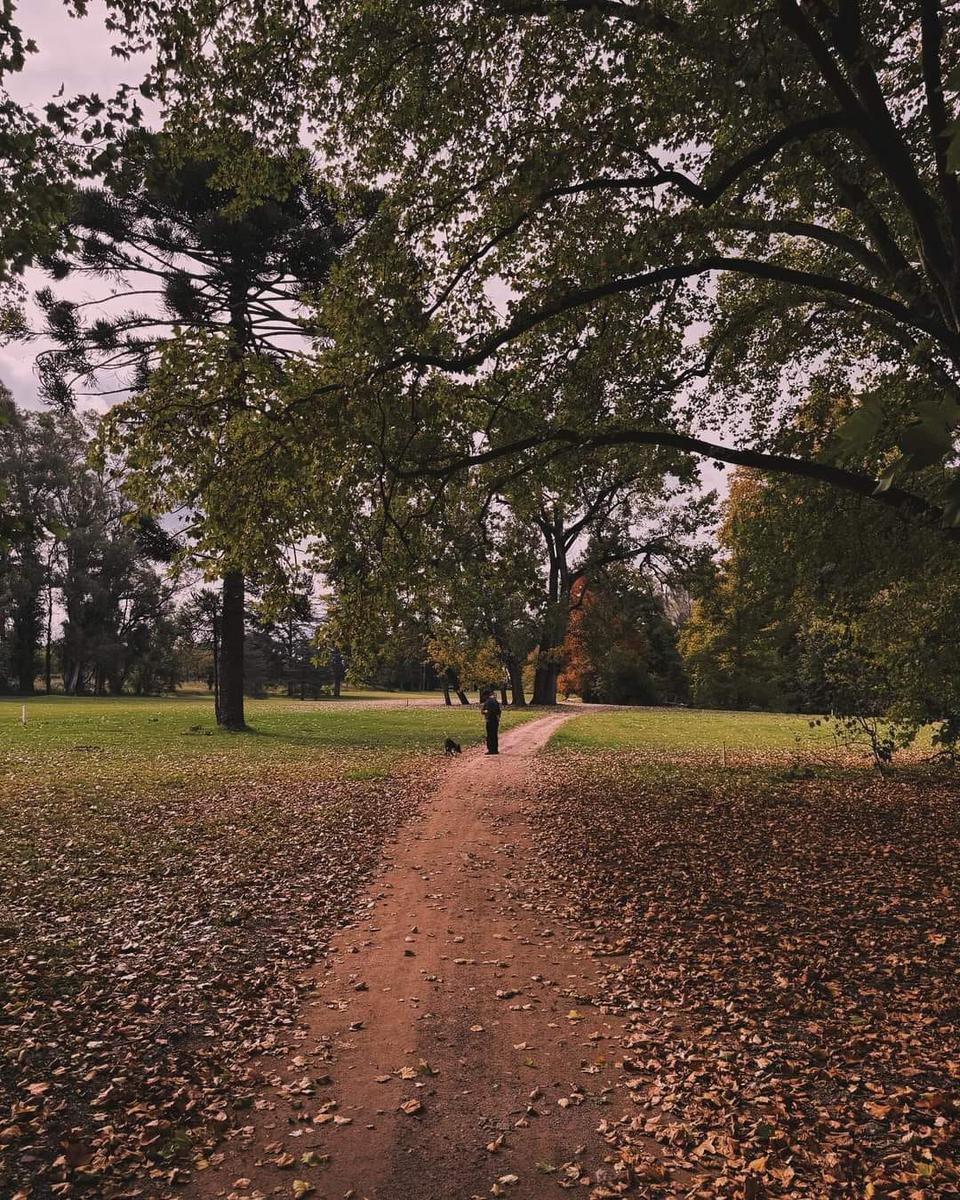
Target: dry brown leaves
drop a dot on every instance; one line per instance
(149, 946)
(789, 953)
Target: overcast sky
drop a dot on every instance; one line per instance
(74, 53)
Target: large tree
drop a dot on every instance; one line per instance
(620, 647)
(826, 603)
(779, 175)
(25, 485)
(201, 261)
(73, 543)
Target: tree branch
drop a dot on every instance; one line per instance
(578, 298)
(907, 504)
(931, 52)
(866, 105)
(818, 233)
(644, 16)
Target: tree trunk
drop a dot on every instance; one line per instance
(215, 673)
(47, 650)
(445, 684)
(27, 621)
(71, 679)
(545, 684)
(503, 697)
(291, 679)
(452, 683)
(339, 670)
(24, 662)
(230, 715)
(516, 683)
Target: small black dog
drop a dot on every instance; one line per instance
(450, 747)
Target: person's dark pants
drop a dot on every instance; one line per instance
(493, 734)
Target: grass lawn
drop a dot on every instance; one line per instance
(173, 742)
(701, 733)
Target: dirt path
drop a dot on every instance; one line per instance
(448, 1018)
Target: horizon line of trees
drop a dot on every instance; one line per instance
(788, 613)
(89, 598)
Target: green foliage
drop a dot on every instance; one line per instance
(831, 606)
(565, 163)
(216, 368)
(42, 154)
(473, 665)
(733, 643)
(796, 216)
(168, 229)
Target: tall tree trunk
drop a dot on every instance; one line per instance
(338, 671)
(503, 696)
(445, 684)
(47, 650)
(291, 681)
(27, 621)
(545, 683)
(231, 715)
(215, 680)
(516, 683)
(71, 677)
(549, 652)
(557, 615)
(26, 633)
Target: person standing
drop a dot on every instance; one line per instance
(491, 714)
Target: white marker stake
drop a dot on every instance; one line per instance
(23, 714)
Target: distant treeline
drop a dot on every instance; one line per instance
(88, 602)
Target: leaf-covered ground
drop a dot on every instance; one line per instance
(160, 892)
(789, 954)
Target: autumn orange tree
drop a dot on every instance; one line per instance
(620, 647)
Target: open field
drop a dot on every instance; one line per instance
(174, 742)
(689, 729)
(719, 738)
(785, 950)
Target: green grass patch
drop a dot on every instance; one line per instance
(676, 730)
(172, 742)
